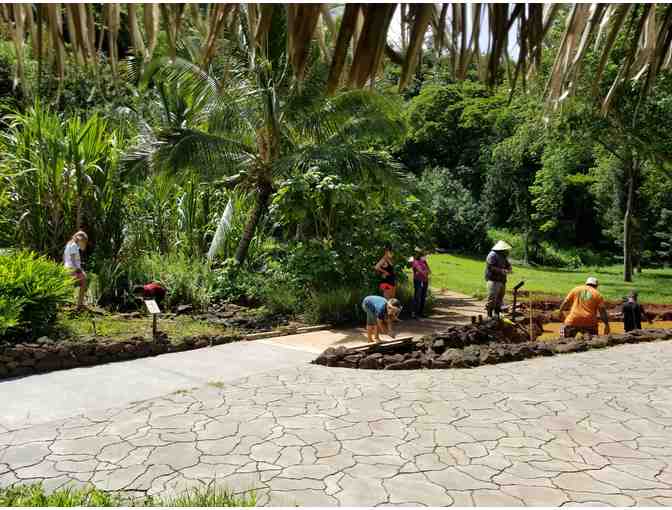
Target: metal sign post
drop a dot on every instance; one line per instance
(154, 309)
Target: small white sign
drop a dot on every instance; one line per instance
(152, 307)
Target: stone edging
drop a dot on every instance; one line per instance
(423, 356)
(46, 356)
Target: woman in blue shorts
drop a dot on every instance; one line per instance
(380, 313)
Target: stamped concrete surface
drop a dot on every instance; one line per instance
(591, 429)
(65, 393)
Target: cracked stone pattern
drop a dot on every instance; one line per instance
(587, 429)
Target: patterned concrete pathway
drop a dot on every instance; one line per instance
(581, 429)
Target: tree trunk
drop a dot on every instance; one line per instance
(627, 220)
(260, 207)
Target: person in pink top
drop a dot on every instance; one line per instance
(421, 274)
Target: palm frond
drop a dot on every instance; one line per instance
(351, 163)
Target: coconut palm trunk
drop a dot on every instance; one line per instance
(260, 207)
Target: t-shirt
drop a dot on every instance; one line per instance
(420, 269)
(71, 257)
(496, 260)
(153, 290)
(376, 305)
(585, 301)
(632, 315)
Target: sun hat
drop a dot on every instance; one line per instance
(592, 281)
(501, 246)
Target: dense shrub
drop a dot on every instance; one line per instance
(31, 290)
(545, 253)
(458, 221)
(187, 280)
(343, 304)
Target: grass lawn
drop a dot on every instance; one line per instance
(82, 326)
(465, 274)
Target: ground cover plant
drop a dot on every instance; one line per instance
(31, 290)
(465, 274)
(86, 326)
(34, 495)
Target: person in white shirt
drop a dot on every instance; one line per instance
(72, 260)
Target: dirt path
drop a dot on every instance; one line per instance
(449, 308)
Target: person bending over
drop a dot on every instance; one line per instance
(632, 313)
(150, 291)
(584, 302)
(380, 313)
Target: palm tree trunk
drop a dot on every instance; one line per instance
(256, 214)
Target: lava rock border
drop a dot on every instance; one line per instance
(436, 352)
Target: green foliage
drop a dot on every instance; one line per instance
(448, 126)
(458, 222)
(31, 290)
(34, 495)
(338, 305)
(62, 174)
(545, 253)
(187, 280)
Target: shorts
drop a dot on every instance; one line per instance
(386, 286)
(572, 331)
(79, 276)
(371, 319)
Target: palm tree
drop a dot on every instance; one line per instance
(257, 124)
(356, 49)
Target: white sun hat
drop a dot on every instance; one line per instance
(591, 281)
(501, 246)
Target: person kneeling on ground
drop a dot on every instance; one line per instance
(379, 316)
(632, 313)
(497, 266)
(585, 302)
(150, 291)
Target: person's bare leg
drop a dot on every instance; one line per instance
(377, 330)
(82, 292)
(369, 333)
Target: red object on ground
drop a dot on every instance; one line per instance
(153, 290)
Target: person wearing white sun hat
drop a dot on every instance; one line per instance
(497, 267)
(584, 302)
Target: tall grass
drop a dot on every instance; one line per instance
(63, 174)
(187, 280)
(35, 496)
(343, 305)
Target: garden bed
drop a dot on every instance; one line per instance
(470, 346)
(98, 337)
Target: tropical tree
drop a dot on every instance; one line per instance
(356, 49)
(256, 124)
